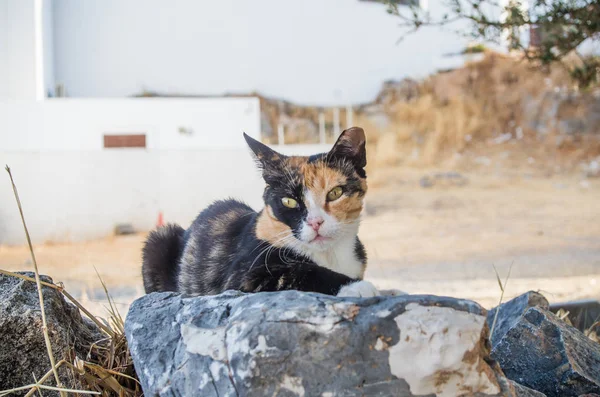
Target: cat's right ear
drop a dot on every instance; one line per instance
(264, 155)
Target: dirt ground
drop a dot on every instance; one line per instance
(444, 239)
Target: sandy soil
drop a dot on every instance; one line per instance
(442, 240)
(447, 239)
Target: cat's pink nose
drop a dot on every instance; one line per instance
(315, 223)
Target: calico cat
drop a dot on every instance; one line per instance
(305, 238)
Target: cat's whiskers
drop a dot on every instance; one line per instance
(267, 257)
(283, 240)
(262, 243)
(290, 244)
(293, 245)
(270, 247)
(284, 258)
(259, 255)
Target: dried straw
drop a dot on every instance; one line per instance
(39, 286)
(502, 288)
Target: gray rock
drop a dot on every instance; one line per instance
(299, 130)
(446, 179)
(563, 112)
(22, 348)
(376, 115)
(266, 128)
(522, 391)
(544, 353)
(122, 229)
(392, 92)
(592, 169)
(291, 343)
(510, 313)
(571, 126)
(426, 181)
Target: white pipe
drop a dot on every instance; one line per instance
(349, 117)
(280, 134)
(321, 127)
(38, 26)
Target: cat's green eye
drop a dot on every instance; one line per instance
(289, 202)
(335, 193)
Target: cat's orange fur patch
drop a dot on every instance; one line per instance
(320, 179)
(346, 208)
(269, 228)
(296, 161)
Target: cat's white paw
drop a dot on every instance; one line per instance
(360, 289)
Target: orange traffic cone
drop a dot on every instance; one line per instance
(160, 222)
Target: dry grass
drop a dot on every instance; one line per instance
(470, 105)
(107, 369)
(457, 111)
(593, 333)
(502, 289)
(39, 289)
(436, 129)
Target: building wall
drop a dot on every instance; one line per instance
(3, 49)
(17, 50)
(74, 196)
(48, 46)
(72, 189)
(79, 124)
(82, 195)
(309, 51)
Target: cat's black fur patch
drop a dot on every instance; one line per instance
(160, 256)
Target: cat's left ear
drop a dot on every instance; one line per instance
(264, 154)
(351, 145)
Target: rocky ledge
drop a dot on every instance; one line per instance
(295, 344)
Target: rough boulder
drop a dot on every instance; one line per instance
(293, 344)
(22, 348)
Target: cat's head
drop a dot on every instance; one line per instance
(311, 203)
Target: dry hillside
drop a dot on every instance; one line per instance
(498, 106)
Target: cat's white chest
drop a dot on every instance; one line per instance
(341, 258)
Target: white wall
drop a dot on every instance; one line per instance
(48, 46)
(17, 50)
(73, 196)
(73, 189)
(79, 124)
(3, 49)
(309, 51)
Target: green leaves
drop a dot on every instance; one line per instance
(545, 30)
